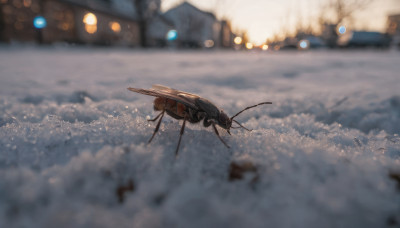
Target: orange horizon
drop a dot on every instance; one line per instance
(263, 19)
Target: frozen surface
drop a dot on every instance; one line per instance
(73, 149)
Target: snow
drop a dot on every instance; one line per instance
(74, 152)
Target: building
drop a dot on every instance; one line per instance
(111, 22)
(104, 22)
(198, 29)
(157, 31)
(226, 36)
(393, 29)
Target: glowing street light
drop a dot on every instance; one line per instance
(304, 44)
(249, 46)
(39, 22)
(342, 29)
(172, 35)
(238, 40)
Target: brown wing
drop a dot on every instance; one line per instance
(185, 98)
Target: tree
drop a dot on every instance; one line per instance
(344, 9)
(337, 12)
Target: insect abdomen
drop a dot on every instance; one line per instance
(161, 103)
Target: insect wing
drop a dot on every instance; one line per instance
(186, 99)
(200, 102)
(189, 96)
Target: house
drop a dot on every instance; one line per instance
(105, 22)
(226, 36)
(393, 29)
(111, 22)
(157, 30)
(195, 28)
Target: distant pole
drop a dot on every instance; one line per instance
(39, 36)
(39, 22)
(141, 6)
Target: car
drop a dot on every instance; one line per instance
(364, 39)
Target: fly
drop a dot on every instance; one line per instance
(189, 108)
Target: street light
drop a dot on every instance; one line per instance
(172, 35)
(238, 40)
(39, 22)
(342, 30)
(249, 46)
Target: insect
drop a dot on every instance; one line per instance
(189, 107)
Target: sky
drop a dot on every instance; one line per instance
(264, 18)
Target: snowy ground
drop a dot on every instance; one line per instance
(73, 149)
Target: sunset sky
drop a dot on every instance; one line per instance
(264, 18)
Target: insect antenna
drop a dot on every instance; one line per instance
(241, 126)
(263, 103)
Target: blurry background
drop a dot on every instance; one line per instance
(233, 24)
(73, 149)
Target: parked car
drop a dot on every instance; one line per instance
(310, 42)
(364, 39)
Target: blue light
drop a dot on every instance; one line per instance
(172, 35)
(342, 29)
(39, 22)
(303, 44)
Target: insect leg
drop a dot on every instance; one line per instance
(156, 117)
(206, 122)
(158, 126)
(216, 132)
(180, 136)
